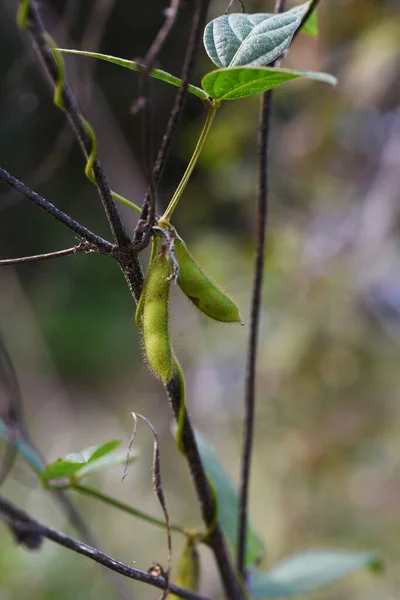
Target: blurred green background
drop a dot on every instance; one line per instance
(326, 466)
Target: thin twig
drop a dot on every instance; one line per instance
(38, 34)
(155, 48)
(195, 37)
(84, 247)
(159, 491)
(103, 246)
(228, 8)
(20, 521)
(250, 384)
(310, 10)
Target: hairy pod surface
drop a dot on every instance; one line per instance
(140, 304)
(154, 318)
(201, 290)
(188, 569)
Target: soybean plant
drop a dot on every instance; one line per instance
(247, 50)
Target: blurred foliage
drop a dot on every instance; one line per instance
(326, 467)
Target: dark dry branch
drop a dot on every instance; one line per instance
(311, 8)
(19, 521)
(216, 539)
(158, 490)
(38, 34)
(84, 233)
(155, 48)
(250, 383)
(84, 247)
(195, 37)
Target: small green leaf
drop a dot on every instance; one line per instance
(240, 82)
(61, 469)
(27, 452)
(72, 463)
(256, 40)
(228, 502)
(310, 27)
(134, 66)
(307, 571)
(92, 453)
(115, 459)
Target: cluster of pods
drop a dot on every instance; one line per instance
(172, 261)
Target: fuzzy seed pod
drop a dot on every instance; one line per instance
(154, 318)
(201, 290)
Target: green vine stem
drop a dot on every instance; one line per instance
(126, 508)
(89, 166)
(22, 14)
(197, 151)
(57, 99)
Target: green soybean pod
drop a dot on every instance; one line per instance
(201, 290)
(140, 304)
(155, 318)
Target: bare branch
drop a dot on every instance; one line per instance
(250, 384)
(158, 490)
(19, 521)
(155, 48)
(84, 247)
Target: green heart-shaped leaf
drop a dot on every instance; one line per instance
(240, 82)
(310, 570)
(254, 40)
